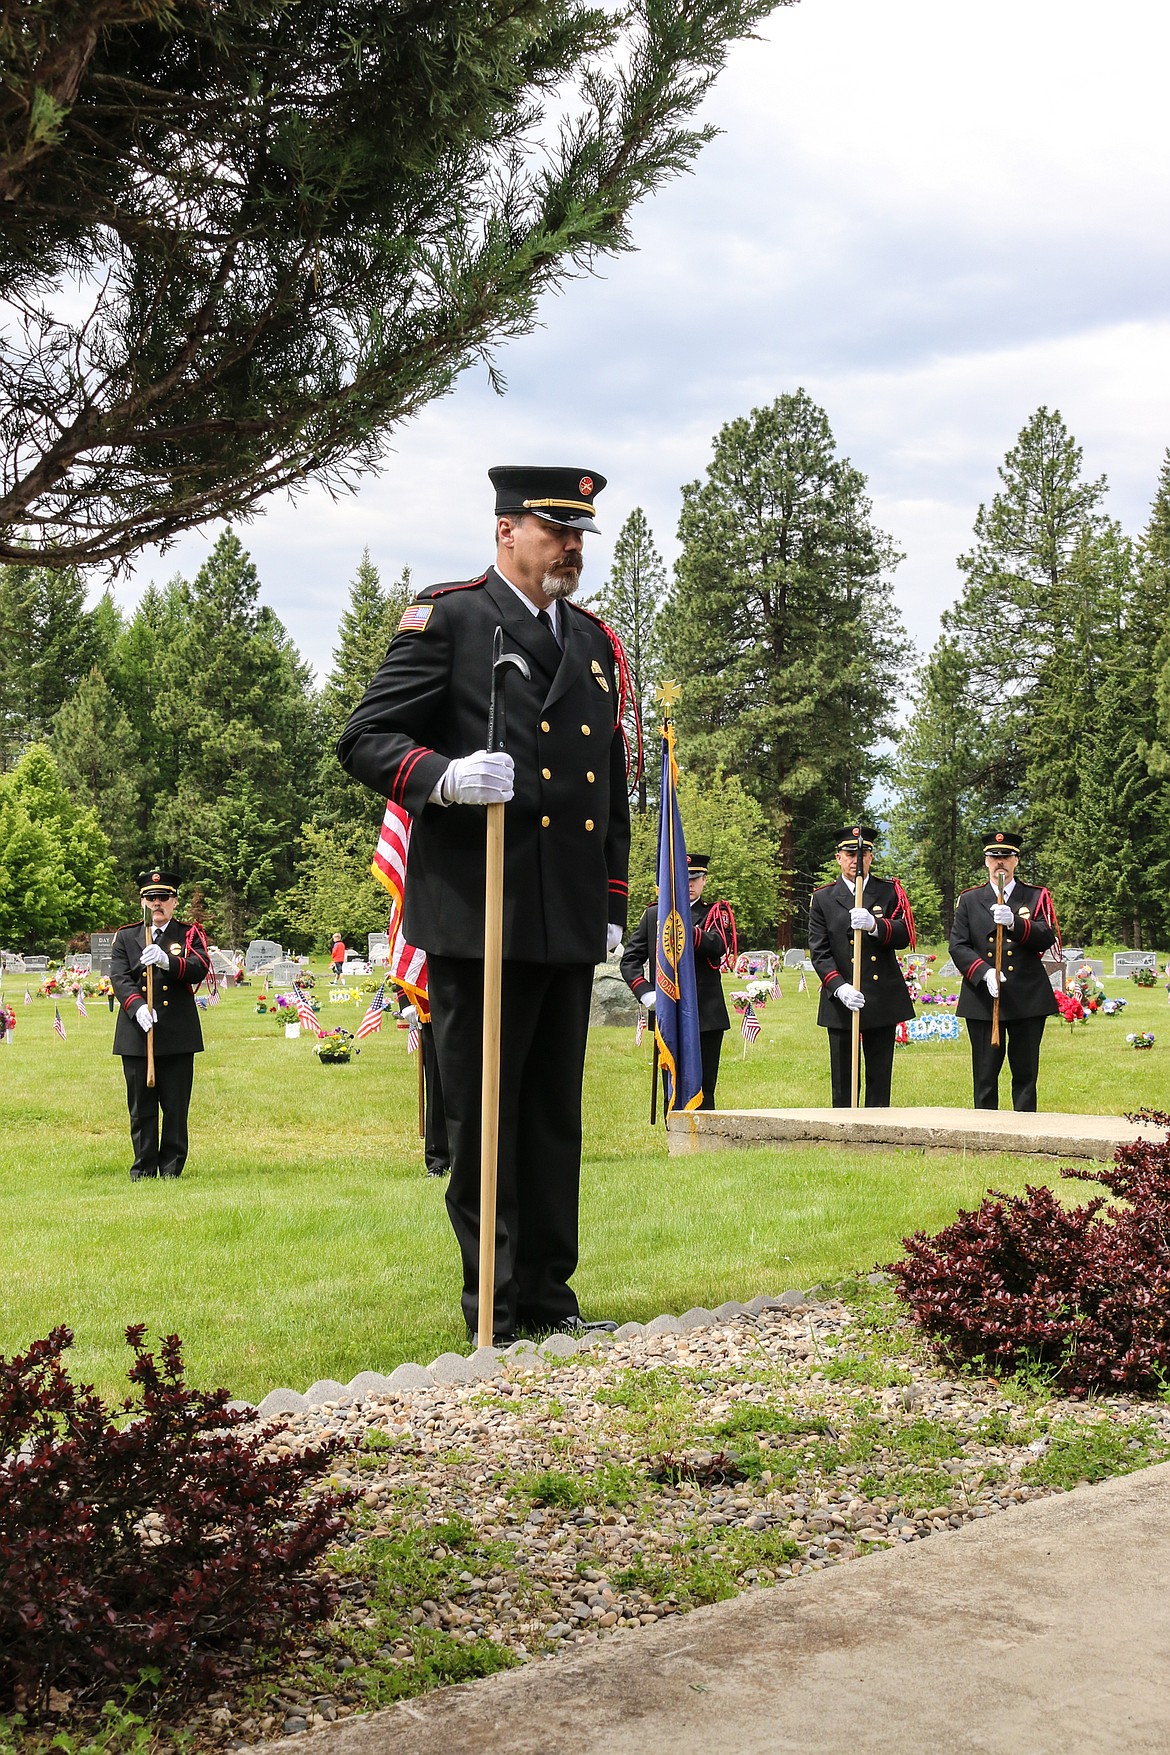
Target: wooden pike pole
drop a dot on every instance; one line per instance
(855, 1017)
(493, 971)
(998, 966)
(422, 1094)
(147, 939)
(654, 1087)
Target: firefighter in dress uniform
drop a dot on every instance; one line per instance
(181, 960)
(887, 926)
(418, 738)
(1026, 998)
(710, 950)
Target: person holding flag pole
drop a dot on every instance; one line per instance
(860, 922)
(520, 909)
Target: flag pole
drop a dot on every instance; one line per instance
(998, 965)
(422, 1099)
(855, 1017)
(147, 939)
(493, 974)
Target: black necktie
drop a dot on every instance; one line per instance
(545, 615)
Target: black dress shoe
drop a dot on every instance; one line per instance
(438, 1169)
(501, 1340)
(571, 1325)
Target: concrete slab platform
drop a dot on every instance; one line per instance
(1040, 1631)
(1045, 1134)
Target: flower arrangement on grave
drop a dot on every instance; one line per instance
(752, 963)
(335, 1048)
(1140, 1038)
(262, 1005)
(1087, 988)
(97, 987)
(306, 980)
(940, 1027)
(1111, 1007)
(756, 993)
(1144, 977)
(52, 984)
(1070, 1008)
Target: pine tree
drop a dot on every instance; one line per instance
(95, 749)
(941, 761)
(48, 642)
(364, 632)
(631, 602)
(782, 631)
(56, 871)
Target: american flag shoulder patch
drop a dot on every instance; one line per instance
(415, 618)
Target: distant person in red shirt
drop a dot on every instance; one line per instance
(337, 958)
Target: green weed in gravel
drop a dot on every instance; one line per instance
(1079, 1452)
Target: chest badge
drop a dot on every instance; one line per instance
(599, 675)
(876, 910)
(175, 950)
(1025, 914)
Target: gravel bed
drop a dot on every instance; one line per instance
(584, 1497)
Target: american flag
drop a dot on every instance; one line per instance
(640, 1027)
(413, 1038)
(408, 965)
(81, 1003)
(774, 991)
(306, 1013)
(27, 997)
(749, 1027)
(803, 988)
(57, 1024)
(373, 1018)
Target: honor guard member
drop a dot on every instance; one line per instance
(418, 738)
(887, 927)
(178, 952)
(710, 950)
(1026, 999)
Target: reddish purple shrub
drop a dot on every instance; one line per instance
(1082, 1292)
(153, 1535)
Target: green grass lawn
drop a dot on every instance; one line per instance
(304, 1241)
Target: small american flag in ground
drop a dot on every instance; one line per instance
(57, 1024)
(413, 1038)
(774, 991)
(640, 1027)
(81, 1003)
(306, 1013)
(749, 1027)
(373, 1018)
(27, 997)
(803, 988)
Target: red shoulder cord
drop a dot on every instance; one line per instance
(907, 913)
(625, 701)
(1045, 910)
(720, 919)
(196, 935)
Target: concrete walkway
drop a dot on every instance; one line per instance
(1047, 1134)
(1040, 1631)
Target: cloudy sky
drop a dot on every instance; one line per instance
(933, 217)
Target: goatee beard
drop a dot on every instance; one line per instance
(562, 583)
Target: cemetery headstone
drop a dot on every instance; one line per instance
(223, 965)
(949, 970)
(101, 946)
(1124, 961)
(379, 946)
(794, 959)
(260, 953)
(83, 964)
(36, 965)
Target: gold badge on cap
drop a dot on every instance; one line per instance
(599, 676)
(585, 486)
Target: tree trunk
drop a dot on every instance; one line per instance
(784, 892)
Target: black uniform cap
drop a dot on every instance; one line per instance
(846, 841)
(1002, 841)
(698, 861)
(559, 496)
(158, 880)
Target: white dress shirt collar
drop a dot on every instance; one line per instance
(554, 608)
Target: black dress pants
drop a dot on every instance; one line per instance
(1020, 1039)
(710, 1048)
(436, 1151)
(544, 1027)
(171, 1096)
(877, 1056)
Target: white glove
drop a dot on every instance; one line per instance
(154, 954)
(651, 1000)
(144, 1017)
(851, 998)
(479, 779)
(861, 920)
(1002, 914)
(408, 1014)
(991, 982)
(613, 938)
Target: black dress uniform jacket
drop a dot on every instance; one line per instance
(567, 831)
(177, 1029)
(709, 953)
(830, 948)
(1025, 991)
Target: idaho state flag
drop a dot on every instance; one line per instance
(676, 1009)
